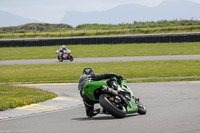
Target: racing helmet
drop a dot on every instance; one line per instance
(88, 71)
(63, 47)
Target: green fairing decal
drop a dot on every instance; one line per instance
(132, 106)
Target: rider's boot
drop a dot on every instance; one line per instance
(90, 111)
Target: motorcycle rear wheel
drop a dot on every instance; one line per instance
(111, 108)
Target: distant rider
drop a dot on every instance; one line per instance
(88, 75)
(62, 48)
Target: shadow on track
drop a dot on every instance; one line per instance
(107, 117)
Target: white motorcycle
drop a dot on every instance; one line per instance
(65, 55)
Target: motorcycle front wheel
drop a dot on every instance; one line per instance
(116, 110)
(141, 109)
(60, 59)
(71, 58)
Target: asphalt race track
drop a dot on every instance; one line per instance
(172, 107)
(102, 59)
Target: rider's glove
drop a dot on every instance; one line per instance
(120, 77)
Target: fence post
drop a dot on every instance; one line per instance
(60, 29)
(96, 28)
(1, 33)
(192, 24)
(123, 27)
(109, 28)
(84, 28)
(48, 30)
(176, 24)
(71, 30)
(35, 30)
(134, 26)
(12, 34)
(147, 27)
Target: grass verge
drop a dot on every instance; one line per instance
(14, 96)
(104, 30)
(103, 50)
(164, 79)
(70, 72)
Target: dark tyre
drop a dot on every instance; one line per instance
(60, 59)
(141, 109)
(71, 58)
(116, 110)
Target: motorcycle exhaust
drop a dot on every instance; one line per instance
(109, 90)
(114, 92)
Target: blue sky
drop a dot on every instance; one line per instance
(54, 10)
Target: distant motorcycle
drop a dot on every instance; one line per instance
(66, 55)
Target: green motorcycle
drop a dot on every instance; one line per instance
(118, 102)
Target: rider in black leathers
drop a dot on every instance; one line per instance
(89, 76)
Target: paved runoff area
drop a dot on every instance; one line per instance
(66, 99)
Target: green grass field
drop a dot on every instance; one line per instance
(14, 96)
(163, 26)
(104, 50)
(89, 32)
(139, 71)
(41, 73)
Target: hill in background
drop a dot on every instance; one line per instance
(8, 19)
(168, 10)
(35, 26)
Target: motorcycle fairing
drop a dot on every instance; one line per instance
(89, 88)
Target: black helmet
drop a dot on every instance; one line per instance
(88, 71)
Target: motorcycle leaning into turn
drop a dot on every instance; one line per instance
(117, 103)
(65, 55)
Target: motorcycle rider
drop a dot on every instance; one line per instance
(62, 48)
(88, 75)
